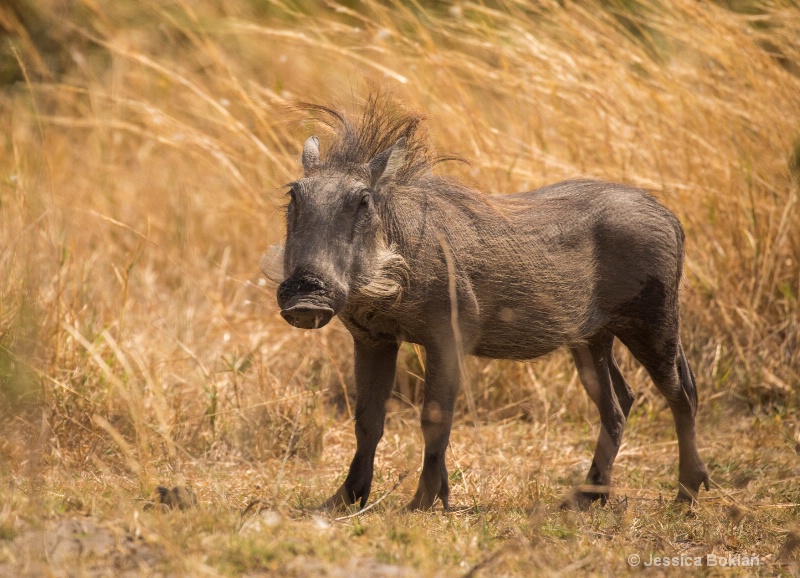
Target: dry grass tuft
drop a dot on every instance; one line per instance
(142, 153)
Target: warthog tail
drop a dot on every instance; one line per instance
(687, 379)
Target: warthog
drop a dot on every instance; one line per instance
(401, 254)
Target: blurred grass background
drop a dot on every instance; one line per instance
(142, 156)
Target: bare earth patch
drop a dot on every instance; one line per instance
(78, 546)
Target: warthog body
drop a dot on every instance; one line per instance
(400, 254)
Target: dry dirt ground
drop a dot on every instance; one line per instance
(507, 480)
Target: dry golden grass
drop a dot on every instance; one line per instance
(138, 345)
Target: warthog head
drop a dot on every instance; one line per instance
(335, 242)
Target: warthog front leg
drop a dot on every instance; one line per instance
(442, 377)
(606, 387)
(374, 372)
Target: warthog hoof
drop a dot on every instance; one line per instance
(433, 486)
(339, 502)
(688, 489)
(422, 501)
(584, 496)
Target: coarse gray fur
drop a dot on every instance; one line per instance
(401, 254)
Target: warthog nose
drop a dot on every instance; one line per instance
(299, 284)
(307, 316)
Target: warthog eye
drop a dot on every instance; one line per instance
(365, 199)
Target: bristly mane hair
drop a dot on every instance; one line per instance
(382, 122)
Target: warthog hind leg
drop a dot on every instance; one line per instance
(666, 363)
(606, 387)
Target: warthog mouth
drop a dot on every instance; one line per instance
(307, 315)
(309, 302)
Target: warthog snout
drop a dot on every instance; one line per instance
(307, 301)
(307, 316)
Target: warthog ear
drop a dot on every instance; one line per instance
(385, 165)
(310, 154)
